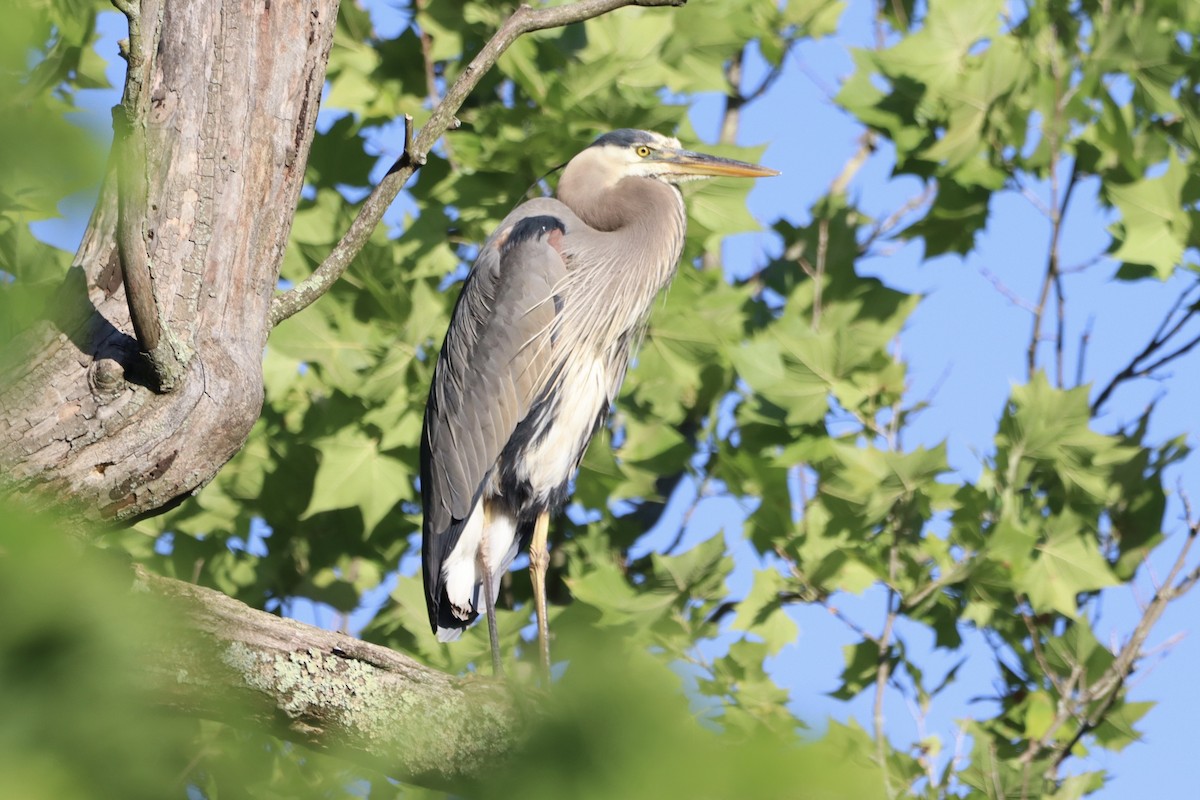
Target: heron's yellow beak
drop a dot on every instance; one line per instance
(686, 162)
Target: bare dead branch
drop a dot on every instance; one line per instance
(525, 19)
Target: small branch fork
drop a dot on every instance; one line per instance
(525, 19)
(1151, 358)
(1089, 704)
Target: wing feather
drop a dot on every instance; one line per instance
(491, 367)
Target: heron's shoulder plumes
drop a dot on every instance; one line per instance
(531, 228)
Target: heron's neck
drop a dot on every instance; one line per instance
(637, 218)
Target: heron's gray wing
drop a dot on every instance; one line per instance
(491, 363)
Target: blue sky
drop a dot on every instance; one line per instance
(965, 348)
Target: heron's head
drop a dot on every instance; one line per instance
(645, 154)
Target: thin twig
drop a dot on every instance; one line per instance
(1164, 333)
(819, 275)
(866, 146)
(1085, 339)
(524, 20)
(1060, 326)
(893, 220)
(1003, 288)
(772, 75)
(840, 616)
(1039, 654)
(1051, 278)
(1108, 688)
(1032, 197)
(431, 85)
(883, 670)
(1170, 357)
(828, 90)
(701, 495)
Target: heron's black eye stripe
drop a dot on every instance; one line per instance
(642, 150)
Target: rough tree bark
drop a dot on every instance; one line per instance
(147, 377)
(121, 414)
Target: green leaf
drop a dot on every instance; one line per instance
(1068, 564)
(933, 55)
(875, 480)
(353, 473)
(817, 18)
(1039, 714)
(698, 572)
(1155, 224)
(604, 588)
(761, 612)
(1115, 731)
(1075, 787)
(862, 665)
(957, 215)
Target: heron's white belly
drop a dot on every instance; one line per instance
(584, 393)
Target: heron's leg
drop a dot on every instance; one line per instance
(539, 560)
(489, 601)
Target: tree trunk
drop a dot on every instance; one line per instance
(121, 413)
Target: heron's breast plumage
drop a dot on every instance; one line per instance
(537, 465)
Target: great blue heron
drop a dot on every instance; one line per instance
(538, 345)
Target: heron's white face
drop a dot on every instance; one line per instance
(649, 159)
(646, 154)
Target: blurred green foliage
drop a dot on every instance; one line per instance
(77, 722)
(46, 55)
(781, 389)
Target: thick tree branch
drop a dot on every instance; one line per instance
(166, 353)
(328, 691)
(524, 20)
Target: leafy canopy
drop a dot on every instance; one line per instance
(780, 390)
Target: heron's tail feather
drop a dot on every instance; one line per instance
(450, 634)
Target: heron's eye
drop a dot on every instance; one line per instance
(642, 151)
